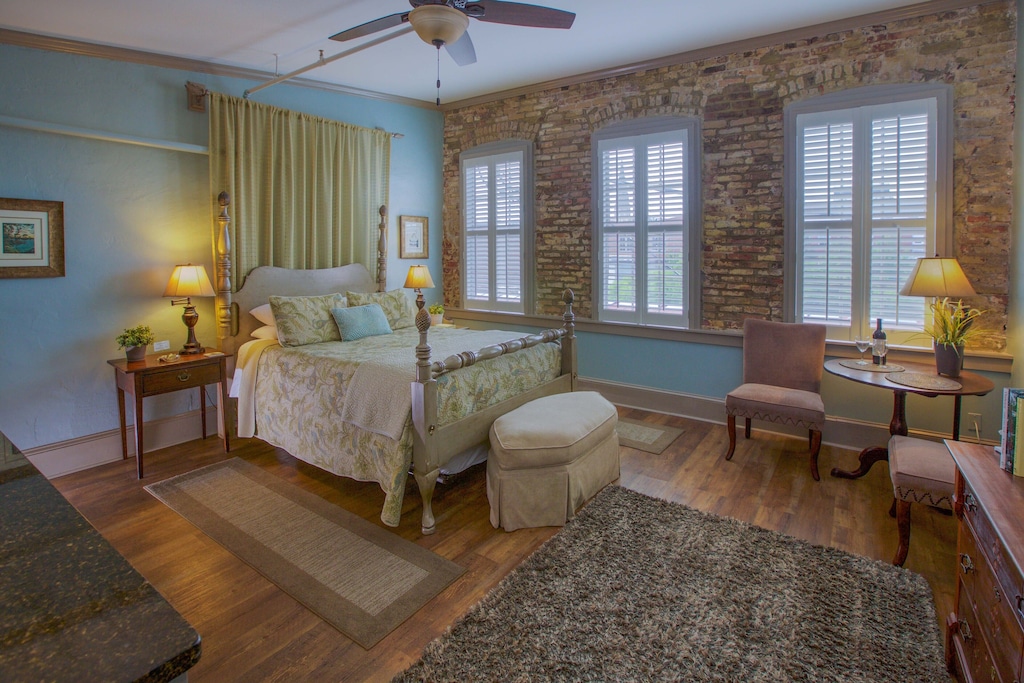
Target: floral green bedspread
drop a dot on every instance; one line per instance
(300, 393)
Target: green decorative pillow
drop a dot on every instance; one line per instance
(357, 322)
(397, 307)
(305, 320)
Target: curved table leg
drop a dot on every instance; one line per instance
(869, 456)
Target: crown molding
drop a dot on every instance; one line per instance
(722, 49)
(122, 54)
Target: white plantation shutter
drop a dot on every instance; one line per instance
(643, 216)
(866, 207)
(495, 206)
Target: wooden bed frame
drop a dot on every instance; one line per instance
(433, 444)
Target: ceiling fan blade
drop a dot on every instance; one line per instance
(372, 27)
(462, 50)
(520, 14)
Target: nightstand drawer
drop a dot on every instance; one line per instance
(969, 636)
(173, 378)
(1007, 578)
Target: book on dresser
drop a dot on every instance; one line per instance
(985, 634)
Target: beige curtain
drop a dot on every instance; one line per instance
(304, 190)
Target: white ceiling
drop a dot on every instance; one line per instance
(280, 36)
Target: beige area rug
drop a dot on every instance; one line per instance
(362, 579)
(645, 436)
(640, 589)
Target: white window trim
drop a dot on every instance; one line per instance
(493, 149)
(635, 128)
(944, 153)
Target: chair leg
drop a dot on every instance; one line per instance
(731, 426)
(746, 429)
(903, 528)
(815, 449)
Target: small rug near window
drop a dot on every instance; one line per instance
(645, 436)
(360, 578)
(639, 589)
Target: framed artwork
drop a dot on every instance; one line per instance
(33, 238)
(412, 237)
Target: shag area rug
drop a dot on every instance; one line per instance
(362, 579)
(645, 436)
(639, 589)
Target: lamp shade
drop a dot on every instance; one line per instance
(438, 24)
(189, 280)
(939, 277)
(419, 276)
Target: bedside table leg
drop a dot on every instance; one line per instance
(202, 408)
(225, 414)
(124, 427)
(138, 431)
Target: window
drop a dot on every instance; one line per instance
(646, 212)
(497, 200)
(867, 195)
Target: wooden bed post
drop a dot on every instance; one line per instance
(424, 417)
(227, 324)
(382, 250)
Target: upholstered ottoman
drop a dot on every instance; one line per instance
(921, 472)
(550, 456)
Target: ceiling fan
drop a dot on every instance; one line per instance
(444, 22)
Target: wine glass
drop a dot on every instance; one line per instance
(863, 344)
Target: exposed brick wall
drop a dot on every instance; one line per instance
(740, 100)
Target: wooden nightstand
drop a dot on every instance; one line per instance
(150, 377)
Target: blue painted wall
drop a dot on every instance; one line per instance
(130, 214)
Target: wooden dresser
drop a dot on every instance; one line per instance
(985, 636)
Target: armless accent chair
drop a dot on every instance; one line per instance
(782, 366)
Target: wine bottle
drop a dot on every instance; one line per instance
(878, 347)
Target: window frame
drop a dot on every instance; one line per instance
(940, 242)
(491, 151)
(692, 224)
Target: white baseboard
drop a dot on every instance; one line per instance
(74, 455)
(839, 431)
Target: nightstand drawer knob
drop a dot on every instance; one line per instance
(184, 376)
(965, 630)
(966, 563)
(970, 502)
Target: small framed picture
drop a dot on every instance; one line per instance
(33, 238)
(412, 237)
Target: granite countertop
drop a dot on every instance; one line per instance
(71, 607)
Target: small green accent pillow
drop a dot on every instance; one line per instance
(305, 320)
(357, 322)
(397, 307)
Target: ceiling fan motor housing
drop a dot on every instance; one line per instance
(438, 25)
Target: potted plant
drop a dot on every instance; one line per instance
(436, 314)
(134, 341)
(952, 328)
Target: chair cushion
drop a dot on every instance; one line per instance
(552, 430)
(777, 404)
(921, 471)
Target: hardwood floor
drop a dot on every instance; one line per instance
(253, 631)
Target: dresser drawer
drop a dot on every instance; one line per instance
(1009, 580)
(967, 636)
(173, 378)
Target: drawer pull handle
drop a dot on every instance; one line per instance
(966, 563)
(965, 630)
(1020, 605)
(184, 376)
(970, 502)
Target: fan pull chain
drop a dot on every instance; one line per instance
(438, 103)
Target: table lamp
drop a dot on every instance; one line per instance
(938, 277)
(186, 282)
(418, 278)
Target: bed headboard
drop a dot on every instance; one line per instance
(235, 323)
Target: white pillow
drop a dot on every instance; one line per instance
(263, 314)
(265, 332)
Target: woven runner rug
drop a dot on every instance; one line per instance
(362, 579)
(639, 589)
(645, 436)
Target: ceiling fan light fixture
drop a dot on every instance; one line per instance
(438, 24)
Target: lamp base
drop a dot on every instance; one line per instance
(192, 345)
(187, 350)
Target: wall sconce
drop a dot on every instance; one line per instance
(186, 282)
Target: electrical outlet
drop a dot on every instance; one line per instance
(975, 421)
(161, 345)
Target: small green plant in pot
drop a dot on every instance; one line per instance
(436, 314)
(134, 341)
(952, 328)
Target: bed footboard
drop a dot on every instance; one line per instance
(434, 445)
